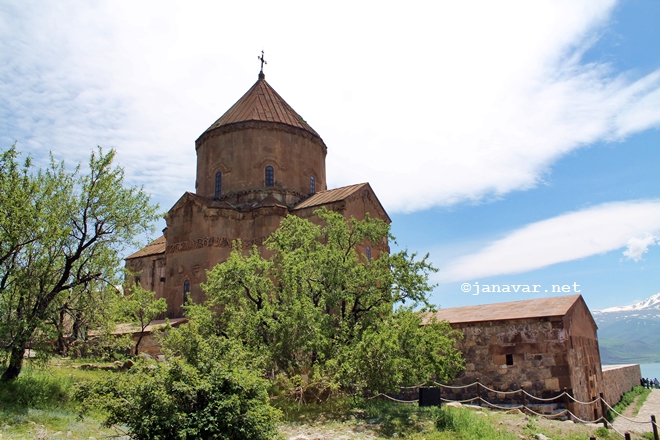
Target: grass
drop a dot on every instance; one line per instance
(640, 393)
(459, 424)
(641, 399)
(38, 404)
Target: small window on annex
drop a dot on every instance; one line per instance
(186, 291)
(218, 184)
(312, 185)
(270, 176)
(509, 359)
(369, 254)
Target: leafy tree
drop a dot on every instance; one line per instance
(60, 232)
(209, 389)
(315, 307)
(93, 306)
(141, 307)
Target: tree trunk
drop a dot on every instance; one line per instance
(15, 363)
(137, 344)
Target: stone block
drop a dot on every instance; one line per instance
(552, 384)
(560, 370)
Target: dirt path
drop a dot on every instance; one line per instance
(651, 406)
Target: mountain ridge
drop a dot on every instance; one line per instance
(630, 333)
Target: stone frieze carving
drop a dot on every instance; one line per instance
(200, 243)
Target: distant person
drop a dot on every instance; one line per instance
(656, 384)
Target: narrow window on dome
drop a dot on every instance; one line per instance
(218, 184)
(312, 185)
(369, 254)
(186, 291)
(270, 176)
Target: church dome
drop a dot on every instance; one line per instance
(260, 146)
(261, 103)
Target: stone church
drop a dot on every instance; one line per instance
(258, 163)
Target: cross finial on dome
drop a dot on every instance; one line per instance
(263, 61)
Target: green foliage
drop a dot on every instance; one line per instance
(324, 315)
(604, 433)
(627, 399)
(401, 351)
(61, 236)
(205, 391)
(141, 307)
(37, 389)
(465, 424)
(402, 419)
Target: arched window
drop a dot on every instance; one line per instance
(270, 176)
(369, 253)
(218, 184)
(312, 185)
(186, 291)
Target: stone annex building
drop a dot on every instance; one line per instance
(256, 164)
(544, 346)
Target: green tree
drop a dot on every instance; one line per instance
(314, 306)
(59, 231)
(93, 306)
(141, 307)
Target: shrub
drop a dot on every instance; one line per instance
(179, 401)
(208, 390)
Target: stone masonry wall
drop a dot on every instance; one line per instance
(584, 360)
(508, 355)
(619, 379)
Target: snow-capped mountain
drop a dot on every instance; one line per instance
(631, 333)
(650, 303)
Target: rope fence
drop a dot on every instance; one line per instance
(562, 398)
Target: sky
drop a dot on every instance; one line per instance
(515, 142)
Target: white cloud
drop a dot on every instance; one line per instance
(637, 247)
(433, 103)
(568, 237)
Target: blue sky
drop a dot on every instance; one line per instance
(517, 142)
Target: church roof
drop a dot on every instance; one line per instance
(262, 103)
(338, 194)
(155, 247)
(330, 196)
(556, 306)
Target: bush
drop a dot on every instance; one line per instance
(178, 401)
(208, 390)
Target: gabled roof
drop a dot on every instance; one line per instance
(155, 247)
(336, 195)
(262, 103)
(269, 202)
(556, 306)
(330, 195)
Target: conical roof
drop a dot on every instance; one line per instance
(262, 103)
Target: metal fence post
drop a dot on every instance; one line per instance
(655, 427)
